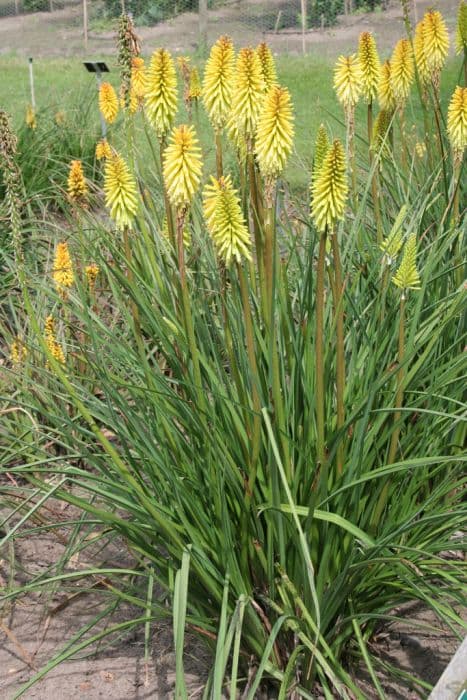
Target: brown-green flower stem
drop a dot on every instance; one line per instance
(319, 351)
(340, 354)
(350, 123)
(167, 205)
(219, 165)
(255, 397)
(374, 177)
(188, 318)
(258, 234)
(400, 383)
(456, 183)
(269, 236)
(439, 133)
(401, 115)
(131, 279)
(382, 501)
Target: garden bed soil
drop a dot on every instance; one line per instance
(36, 627)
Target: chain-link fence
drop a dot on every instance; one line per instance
(78, 27)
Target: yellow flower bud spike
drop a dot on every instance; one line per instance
(161, 92)
(53, 345)
(218, 82)
(457, 122)
(225, 222)
(248, 94)
(330, 189)
(120, 191)
(402, 71)
(268, 66)
(386, 97)
(407, 276)
(18, 352)
(436, 40)
(77, 187)
(182, 166)
(370, 66)
(461, 28)
(91, 271)
(103, 150)
(31, 121)
(321, 149)
(274, 136)
(62, 272)
(138, 78)
(108, 102)
(392, 244)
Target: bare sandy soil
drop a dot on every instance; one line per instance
(60, 33)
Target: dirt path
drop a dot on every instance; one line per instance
(60, 33)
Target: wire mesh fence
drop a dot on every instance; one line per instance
(73, 27)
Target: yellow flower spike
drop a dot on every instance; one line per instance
(103, 150)
(60, 118)
(402, 71)
(31, 121)
(248, 92)
(18, 352)
(268, 66)
(194, 92)
(461, 28)
(51, 339)
(386, 97)
(420, 149)
(224, 220)
(330, 189)
(161, 94)
(77, 187)
(138, 78)
(392, 244)
(407, 276)
(420, 53)
(436, 40)
(274, 136)
(218, 82)
(348, 80)
(380, 130)
(108, 102)
(120, 191)
(91, 271)
(62, 271)
(321, 148)
(370, 66)
(457, 121)
(182, 166)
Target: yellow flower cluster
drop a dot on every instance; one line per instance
(330, 189)
(348, 78)
(436, 40)
(120, 191)
(248, 93)
(268, 66)
(161, 92)
(194, 91)
(53, 345)
(225, 222)
(218, 82)
(386, 97)
(103, 150)
(31, 121)
(274, 136)
(62, 272)
(182, 166)
(402, 70)
(457, 121)
(91, 271)
(108, 102)
(407, 276)
(461, 28)
(370, 66)
(138, 78)
(77, 187)
(18, 352)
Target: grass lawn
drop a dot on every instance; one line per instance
(58, 82)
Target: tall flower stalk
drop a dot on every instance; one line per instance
(348, 81)
(218, 89)
(182, 174)
(329, 196)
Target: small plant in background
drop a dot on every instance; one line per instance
(282, 379)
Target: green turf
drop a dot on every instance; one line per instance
(309, 80)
